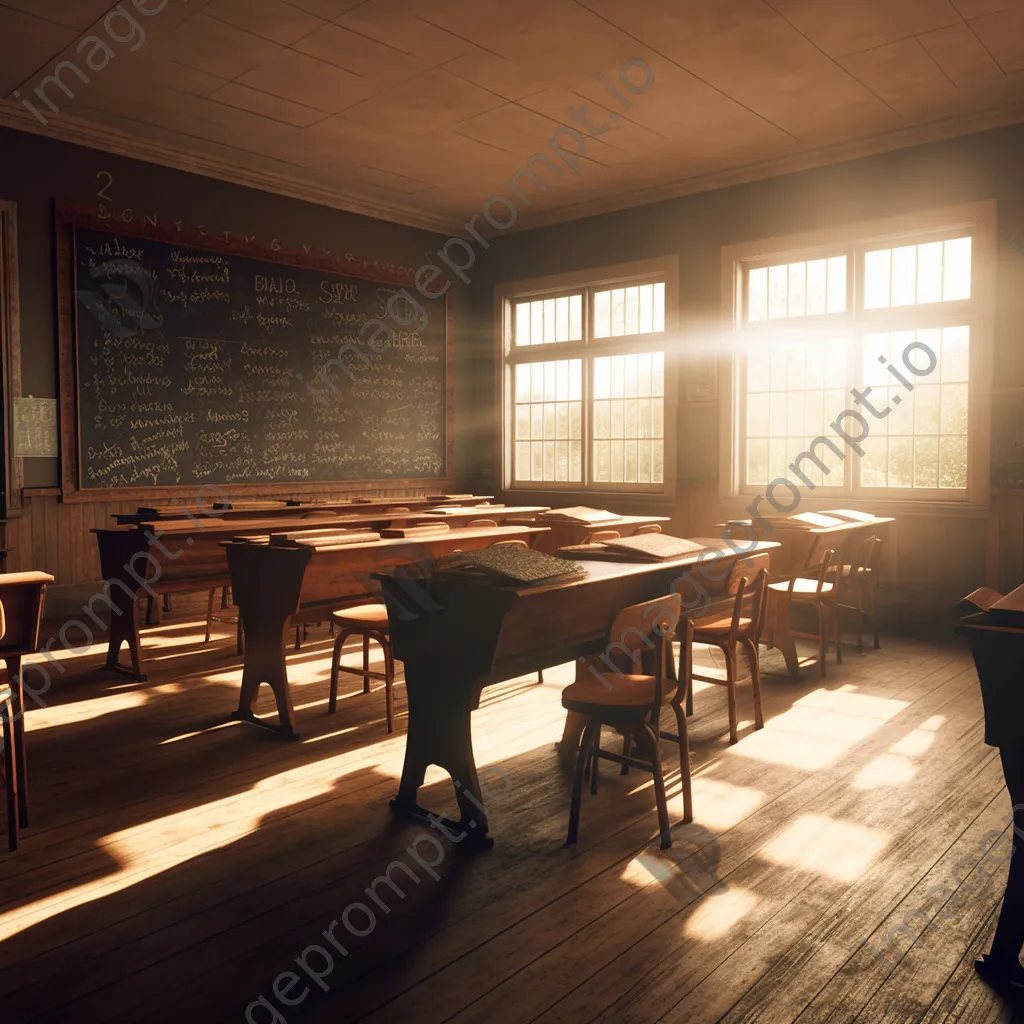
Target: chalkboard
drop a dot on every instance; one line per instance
(197, 363)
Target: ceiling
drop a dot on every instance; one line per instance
(419, 110)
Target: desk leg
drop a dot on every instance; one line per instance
(440, 733)
(124, 628)
(265, 663)
(21, 765)
(779, 631)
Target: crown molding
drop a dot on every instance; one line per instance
(67, 128)
(75, 130)
(873, 145)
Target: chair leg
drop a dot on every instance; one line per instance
(684, 763)
(10, 777)
(822, 636)
(627, 746)
(873, 592)
(209, 614)
(577, 785)
(755, 680)
(689, 702)
(659, 785)
(224, 592)
(859, 587)
(332, 701)
(167, 604)
(240, 634)
(389, 681)
(837, 633)
(298, 637)
(730, 685)
(366, 663)
(540, 676)
(595, 761)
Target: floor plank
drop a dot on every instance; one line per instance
(845, 863)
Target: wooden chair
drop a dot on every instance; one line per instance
(369, 621)
(21, 595)
(483, 523)
(647, 528)
(857, 588)
(10, 767)
(810, 587)
(600, 536)
(748, 581)
(610, 691)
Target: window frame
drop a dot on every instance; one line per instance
(854, 240)
(508, 356)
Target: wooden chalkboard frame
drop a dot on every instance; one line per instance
(69, 216)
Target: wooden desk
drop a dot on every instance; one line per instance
(22, 595)
(263, 509)
(462, 636)
(562, 535)
(182, 555)
(276, 586)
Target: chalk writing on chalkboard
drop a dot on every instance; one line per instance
(195, 366)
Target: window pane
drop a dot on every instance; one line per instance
(522, 316)
(926, 427)
(602, 419)
(926, 462)
(536, 323)
(575, 317)
(659, 307)
(633, 310)
(876, 279)
(797, 289)
(956, 282)
(816, 285)
(602, 315)
(929, 272)
(657, 373)
(778, 295)
(543, 425)
(757, 295)
(757, 461)
(837, 284)
(549, 321)
(904, 275)
(646, 308)
(562, 323)
(602, 378)
(618, 312)
(602, 461)
(575, 379)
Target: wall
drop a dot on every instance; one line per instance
(35, 173)
(930, 561)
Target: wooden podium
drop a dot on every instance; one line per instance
(994, 625)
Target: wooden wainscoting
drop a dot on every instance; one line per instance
(1005, 543)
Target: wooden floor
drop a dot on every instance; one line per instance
(176, 865)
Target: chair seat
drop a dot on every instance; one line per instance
(801, 587)
(719, 624)
(848, 570)
(362, 616)
(623, 692)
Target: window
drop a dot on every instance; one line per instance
(857, 362)
(585, 380)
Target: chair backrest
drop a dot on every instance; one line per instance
(482, 522)
(865, 553)
(647, 528)
(517, 542)
(640, 637)
(748, 580)
(597, 536)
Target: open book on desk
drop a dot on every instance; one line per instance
(578, 514)
(646, 547)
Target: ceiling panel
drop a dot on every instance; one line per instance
(418, 110)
